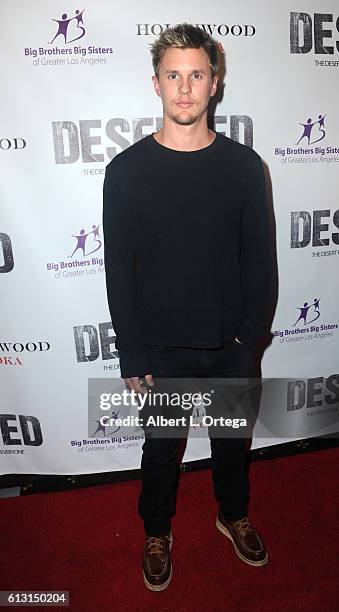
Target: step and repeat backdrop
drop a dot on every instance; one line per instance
(77, 90)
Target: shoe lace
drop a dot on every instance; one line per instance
(243, 525)
(155, 545)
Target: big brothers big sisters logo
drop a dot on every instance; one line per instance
(307, 149)
(305, 327)
(68, 28)
(85, 263)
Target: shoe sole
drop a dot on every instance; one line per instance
(225, 532)
(159, 587)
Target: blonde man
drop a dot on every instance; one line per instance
(188, 273)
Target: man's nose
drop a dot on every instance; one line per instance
(185, 86)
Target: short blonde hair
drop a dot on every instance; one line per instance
(184, 36)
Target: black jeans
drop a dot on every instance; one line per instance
(229, 456)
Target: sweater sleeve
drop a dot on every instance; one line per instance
(255, 260)
(121, 281)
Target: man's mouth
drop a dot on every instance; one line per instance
(184, 104)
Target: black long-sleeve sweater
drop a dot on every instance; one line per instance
(187, 252)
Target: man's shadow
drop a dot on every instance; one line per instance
(265, 341)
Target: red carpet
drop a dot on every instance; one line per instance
(89, 542)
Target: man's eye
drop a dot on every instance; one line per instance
(172, 76)
(197, 76)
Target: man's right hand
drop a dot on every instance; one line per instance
(136, 384)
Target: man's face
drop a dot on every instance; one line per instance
(185, 84)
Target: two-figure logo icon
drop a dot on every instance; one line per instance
(63, 25)
(308, 129)
(82, 238)
(309, 310)
(103, 428)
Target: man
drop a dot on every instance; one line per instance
(187, 272)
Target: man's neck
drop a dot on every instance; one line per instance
(185, 137)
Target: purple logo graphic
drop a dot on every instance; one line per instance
(82, 238)
(63, 24)
(308, 129)
(103, 428)
(305, 151)
(308, 312)
(87, 242)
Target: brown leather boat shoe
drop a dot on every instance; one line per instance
(247, 543)
(157, 564)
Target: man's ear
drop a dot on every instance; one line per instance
(214, 86)
(156, 85)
